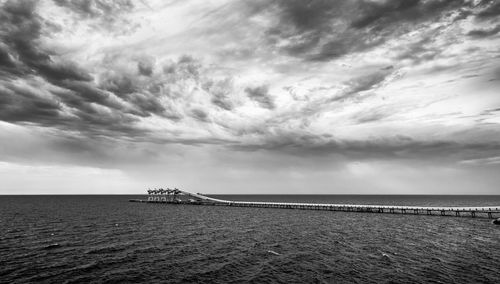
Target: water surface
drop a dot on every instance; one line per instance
(74, 239)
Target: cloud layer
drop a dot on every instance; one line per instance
(363, 80)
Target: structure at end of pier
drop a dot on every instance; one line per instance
(177, 196)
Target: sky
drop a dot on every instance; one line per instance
(250, 97)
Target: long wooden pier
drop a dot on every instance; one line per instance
(183, 197)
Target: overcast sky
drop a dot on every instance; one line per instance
(328, 97)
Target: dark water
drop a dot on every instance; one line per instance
(75, 239)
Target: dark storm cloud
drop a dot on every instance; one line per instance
(144, 93)
(6, 59)
(96, 8)
(109, 124)
(221, 91)
(146, 104)
(489, 9)
(120, 84)
(260, 94)
(420, 50)
(491, 111)
(23, 104)
(303, 24)
(371, 12)
(188, 67)
(366, 82)
(345, 44)
(143, 99)
(370, 115)
(484, 32)
(87, 92)
(23, 57)
(354, 88)
(380, 15)
(496, 73)
(324, 30)
(109, 15)
(21, 29)
(145, 67)
(395, 147)
(28, 104)
(199, 114)
(63, 71)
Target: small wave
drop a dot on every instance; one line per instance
(385, 256)
(104, 250)
(52, 246)
(273, 252)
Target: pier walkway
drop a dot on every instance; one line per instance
(183, 197)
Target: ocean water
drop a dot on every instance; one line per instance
(106, 239)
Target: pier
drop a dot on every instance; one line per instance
(177, 196)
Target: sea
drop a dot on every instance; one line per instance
(106, 239)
